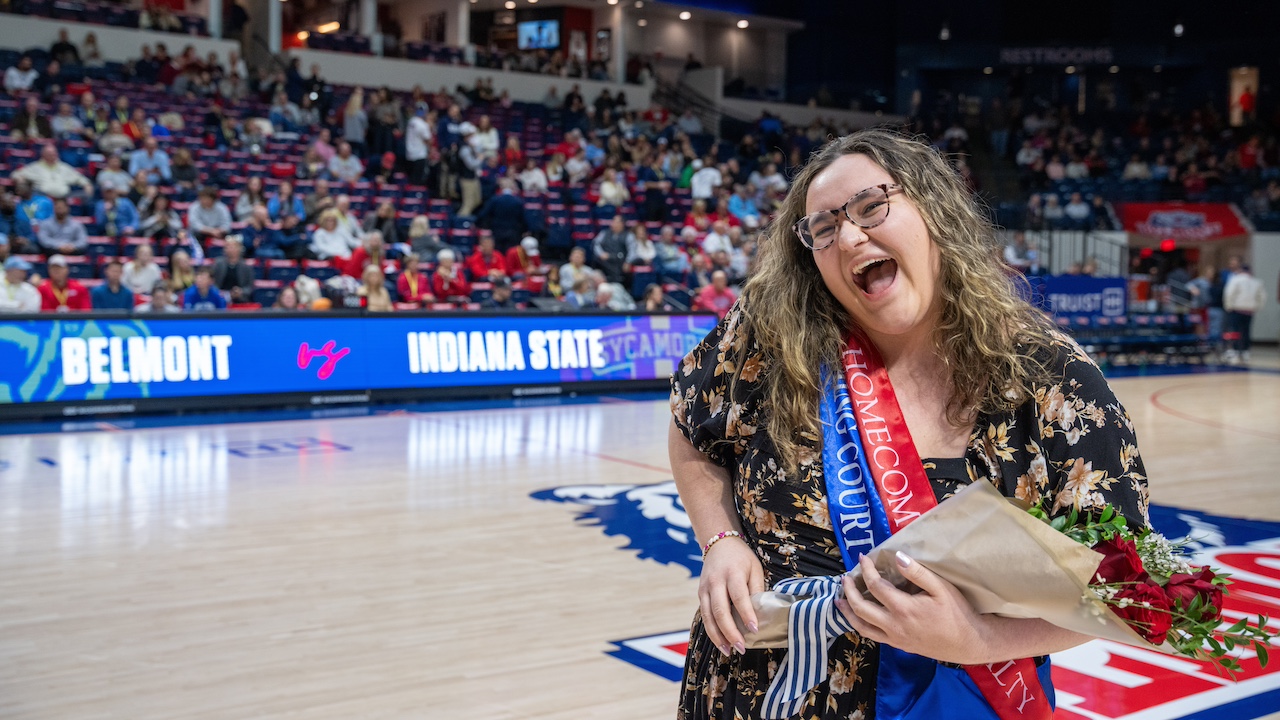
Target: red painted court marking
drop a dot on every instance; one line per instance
(1156, 401)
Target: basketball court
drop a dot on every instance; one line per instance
(474, 561)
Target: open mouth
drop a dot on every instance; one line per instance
(876, 276)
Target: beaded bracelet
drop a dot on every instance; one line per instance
(717, 538)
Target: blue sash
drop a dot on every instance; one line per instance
(908, 687)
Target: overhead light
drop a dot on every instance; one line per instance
(685, 15)
(533, 2)
(303, 35)
(1158, 68)
(1071, 69)
(988, 70)
(1178, 30)
(1114, 69)
(613, 2)
(945, 33)
(742, 24)
(329, 27)
(639, 4)
(642, 22)
(510, 4)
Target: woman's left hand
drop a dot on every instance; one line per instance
(938, 623)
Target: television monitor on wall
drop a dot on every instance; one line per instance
(538, 35)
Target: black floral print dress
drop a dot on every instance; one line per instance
(1073, 444)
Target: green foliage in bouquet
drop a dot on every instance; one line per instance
(1148, 581)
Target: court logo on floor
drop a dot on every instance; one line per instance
(1100, 680)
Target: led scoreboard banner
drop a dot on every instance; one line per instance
(78, 364)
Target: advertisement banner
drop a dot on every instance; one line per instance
(66, 358)
(1080, 295)
(1182, 221)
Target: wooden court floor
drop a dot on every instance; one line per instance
(398, 567)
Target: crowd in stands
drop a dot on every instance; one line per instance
(177, 177)
(1074, 167)
(148, 15)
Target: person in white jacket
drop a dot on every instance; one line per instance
(331, 240)
(1242, 298)
(16, 294)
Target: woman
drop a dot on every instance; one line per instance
(373, 290)
(989, 391)
(141, 273)
(159, 220)
(613, 192)
(553, 288)
(90, 55)
(141, 191)
(698, 218)
(114, 140)
(653, 299)
(308, 113)
(447, 283)
(287, 300)
(332, 239)
(411, 286)
(286, 203)
(355, 122)
(384, 221)
(555, 172)
(532, 179)
(186, 176)
(512, 155)
(641, 250)
(181, 274)
(485, 141)
(113, 175)
(252, 196)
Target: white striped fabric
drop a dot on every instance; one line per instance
(813, 623)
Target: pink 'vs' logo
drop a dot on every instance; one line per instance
(330, 355)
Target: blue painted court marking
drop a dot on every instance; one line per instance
(284, 447)
(1130, 371)
(259, 416)
(657, 529)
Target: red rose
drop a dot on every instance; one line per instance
(1183, 588)
(1120, 562)
(1147, 611)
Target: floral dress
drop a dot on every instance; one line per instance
(1072, 444)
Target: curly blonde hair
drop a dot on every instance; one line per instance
(990, 339)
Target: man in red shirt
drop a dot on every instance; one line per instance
(717, 297)
(524, 258)
(1249, 153)
(486, 264)
(569, 147)
(372, 250)
(60, 293)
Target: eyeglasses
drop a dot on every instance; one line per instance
(867, 209)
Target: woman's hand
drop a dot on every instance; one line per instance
(731, 574)
(937, 623)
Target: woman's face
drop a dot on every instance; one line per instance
(896, 297)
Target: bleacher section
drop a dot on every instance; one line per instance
(565, 217)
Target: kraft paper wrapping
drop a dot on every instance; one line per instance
(1003, 560)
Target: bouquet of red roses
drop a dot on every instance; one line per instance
(1148, 581)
